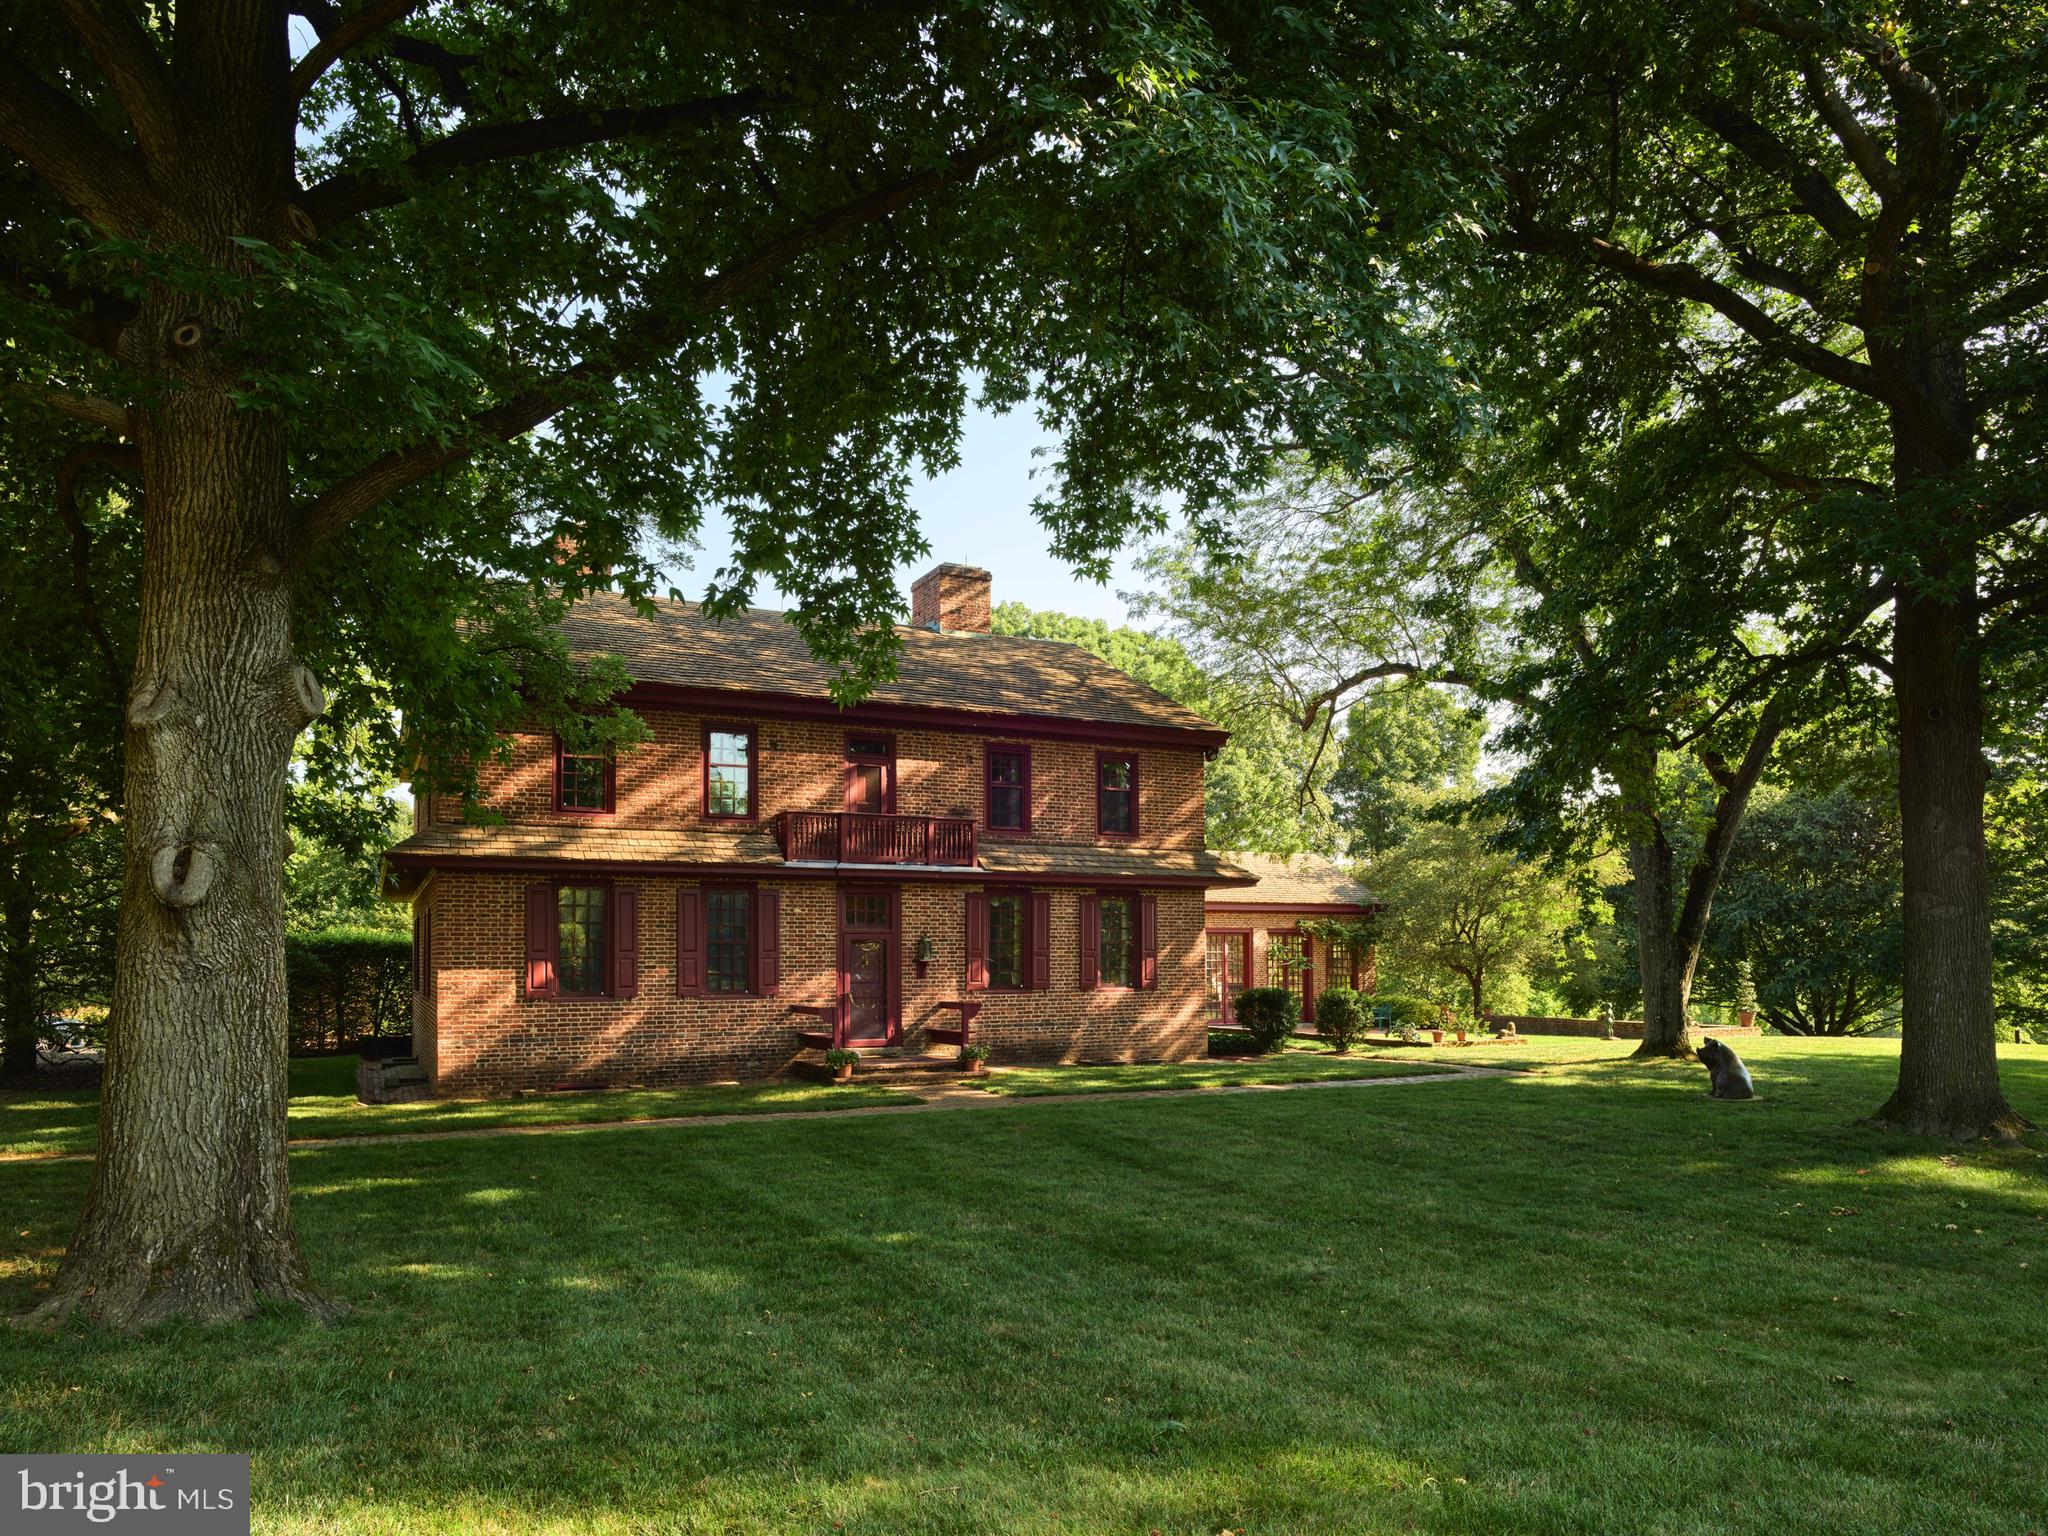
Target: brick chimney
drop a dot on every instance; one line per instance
(951, 597)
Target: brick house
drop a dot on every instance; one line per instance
(1004, 844)
(1255, 936)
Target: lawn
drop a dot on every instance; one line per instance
(324, 1103)
(1297, 1064)
(1585, 1299)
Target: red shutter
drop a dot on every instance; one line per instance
(690, 942)
(1148, 941)
(1091, 942)
(1038, 942)
(767, 942)
(625, 941)
(977, 941)
(542, 932)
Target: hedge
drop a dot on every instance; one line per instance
(348, 985)
(1341, 1016)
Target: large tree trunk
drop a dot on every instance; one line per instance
(189, 1211)
(1666, 967)
(1948, 1057)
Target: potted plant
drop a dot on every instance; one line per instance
(842, 1063)
(975, 1059)
(1745, 994)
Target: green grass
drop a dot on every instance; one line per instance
(324, 1104)
(1297, 1064)
(1582, 1300)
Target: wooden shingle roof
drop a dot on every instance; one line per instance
(1305, 880)
(758, 652)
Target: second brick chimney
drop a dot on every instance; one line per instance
(951, 597)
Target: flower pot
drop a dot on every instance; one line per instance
(843, 1074)
(1461, 1037)
(1436, 1037)
(977, 1068)
(1746, 1017)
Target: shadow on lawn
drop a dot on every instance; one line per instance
(1508, 1305)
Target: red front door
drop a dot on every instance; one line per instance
(869, 979)
(1229, 959)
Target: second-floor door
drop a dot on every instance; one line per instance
(871, 774)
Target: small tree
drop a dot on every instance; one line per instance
(1455, 904)
(1268, 1015)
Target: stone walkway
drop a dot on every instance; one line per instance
(922, 1098)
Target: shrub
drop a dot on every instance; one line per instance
(1340, 1017)
(346, 986)
(1268, 1015)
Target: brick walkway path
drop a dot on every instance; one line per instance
(928, 1099)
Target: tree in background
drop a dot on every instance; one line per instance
(68, 539)
(1250, 787)
(484, 219)
(1831, 216)
(1811, 899)
(1403, 747)
(1457, 904)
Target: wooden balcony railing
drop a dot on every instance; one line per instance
(862, 837)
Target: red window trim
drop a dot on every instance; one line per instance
(611, 783)
(561, 994)
(753, 735)
(750, 889)
(1129, 898)
(848, 758)
(1308, 955)
(1117, 757)
(988, 788)
(1022, 895)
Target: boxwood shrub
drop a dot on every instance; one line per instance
(1341, 1016)
(1268, 1014)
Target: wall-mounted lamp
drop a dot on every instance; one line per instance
(926, 952)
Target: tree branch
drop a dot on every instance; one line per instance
(86, 408)
(133, 67)
(325, 17)
(370, 20)
(349, 193)
(342, 503)
(1684, 280)
(1705, 876)
(57, 140)
(1863, 151)
(1812, 188)
(1812, 487)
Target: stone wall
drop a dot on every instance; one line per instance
(1624, 1029)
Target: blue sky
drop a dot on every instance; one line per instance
(979, 514)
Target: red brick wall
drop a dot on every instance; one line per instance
(952, 597)
(476, 1033)
(802, 768)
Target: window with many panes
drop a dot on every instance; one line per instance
(1116, 796)
(728, 940)
(729, 771)
(1007, 917)
(579, 940)
(1119, 942)
(583, 780)
(1009, 789)
(1287, 963)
